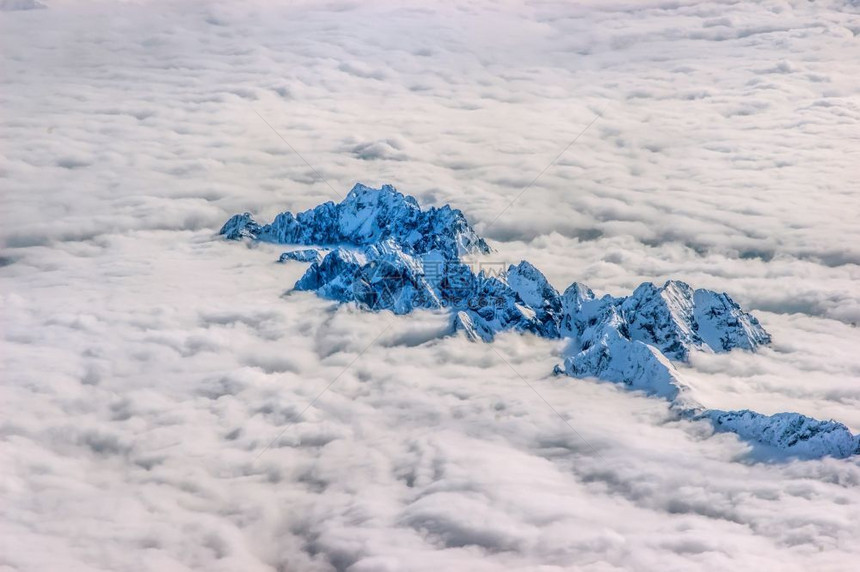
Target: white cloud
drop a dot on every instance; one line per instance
(146, 363)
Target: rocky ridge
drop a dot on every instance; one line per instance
(386, 253)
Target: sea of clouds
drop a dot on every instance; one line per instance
(167, 404)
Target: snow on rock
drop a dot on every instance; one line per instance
(723, 326)
(306, 255)
(793, 433)
(240, 226)
(377, 277)
(389, 254)
(608, 354)
(652, 324)
(368, 216)
(385, 277)
(676, 319)
(532, 286)
(577, 308)
(492, 306)
(534, 290)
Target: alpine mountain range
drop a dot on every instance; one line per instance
(381, 251)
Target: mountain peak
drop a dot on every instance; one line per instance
(390, 254)
(676, 318)
(365, 217)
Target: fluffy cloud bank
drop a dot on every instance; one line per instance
(146, 365)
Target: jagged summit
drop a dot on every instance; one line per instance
(803, 436)
(368, 216)
(386, 253)
(384, 276)
(676, 319)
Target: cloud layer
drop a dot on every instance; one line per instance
(146, 364)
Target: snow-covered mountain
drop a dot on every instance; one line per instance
(386, 253)
(801, 435)
(365, 217)
(655, 325)
(676, 319)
